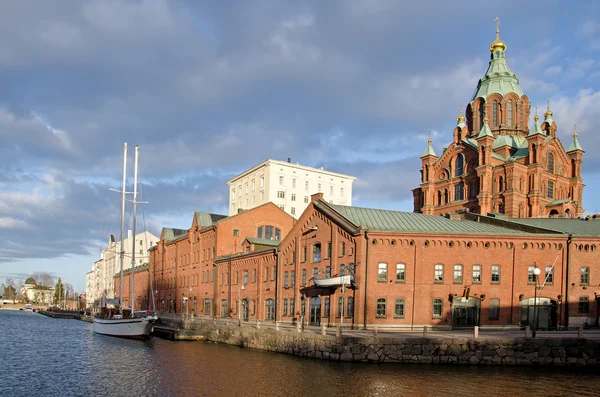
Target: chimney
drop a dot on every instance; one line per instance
(289, 159)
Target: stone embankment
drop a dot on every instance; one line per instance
(427, 350)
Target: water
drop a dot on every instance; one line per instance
(40, 356)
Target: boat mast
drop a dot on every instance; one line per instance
(122, 253)
(135, 174)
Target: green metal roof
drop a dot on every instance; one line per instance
(575, 144)
(497, 79)
(428, 150)
(204, 219)
(557, 202)
(536, 128)
(485, 131)
(263, 241)
(171, 233)
(410, 222)
(563, 225)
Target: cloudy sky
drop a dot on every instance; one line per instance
(210, 88)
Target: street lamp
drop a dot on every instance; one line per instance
(240, 304)
(536, 273)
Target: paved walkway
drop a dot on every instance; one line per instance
(513, 333)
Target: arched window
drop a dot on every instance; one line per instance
(285, 279)
(481, 114)
(245, 276)
(399, 308)
(523, 115)
(382, 272)
(459, 191)
(500, 184)
(381, 307)
(550, 163)
(460, 165)
(317, 252)
(495, 114)
(509, 113)
(439, 197)
(550, 189)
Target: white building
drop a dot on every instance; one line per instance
(288, 186)
(100, 282)
(37, 294)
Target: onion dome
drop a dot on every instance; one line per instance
(460, 121)
(548, 114)
(497, 44)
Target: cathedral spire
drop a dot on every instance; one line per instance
(548, 114)
(497, 44)
(485, 130)
(460, 121)
(575, 144)
(429, 149)
(537, 129)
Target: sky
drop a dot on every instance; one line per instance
(208, 89)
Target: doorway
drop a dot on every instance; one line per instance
(547, 313)
(315, 311)
(465, 312)
(245, 309)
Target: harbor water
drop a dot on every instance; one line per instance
(41, 356)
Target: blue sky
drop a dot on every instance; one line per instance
(208, 89)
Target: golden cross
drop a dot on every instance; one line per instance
(497, 24)
(429, 136)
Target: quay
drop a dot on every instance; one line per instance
(66, 314)
(472, 347)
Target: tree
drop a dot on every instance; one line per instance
(59, 292)
(2, 288)
(43, 279)
(10, 292)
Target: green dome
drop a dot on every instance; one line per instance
(498, 79)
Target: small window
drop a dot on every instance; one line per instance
(585, 275)
(382, 272)
(584, 304)
(350, 307)
(292, 278)
(530, 275)
(328, 271)
(458, 274)
(315, 272)
(342, 270)
(550, 163)
(285, 307)
(399, 308)
(476, 274)
(304, 254)
(293, 196)
(281, 180)
(550, 190)
(236, 232)
(329, 250)
(437, 307)
(316, 253)
(494, 309)
(438, 273)
(495, 274)
(549, 275)
(381, 307)
(303, 276)
(306, 199)
(343, 249)
(285, 279)
(400, 273)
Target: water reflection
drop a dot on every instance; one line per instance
(64, 357)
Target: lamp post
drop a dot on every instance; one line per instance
(240, 304)
(536, 273)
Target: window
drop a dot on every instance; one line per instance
(400, 273)
(343, 249)
(460, 165)
(281, 180)
(530, 275)
(319, 188)
(326, 310)
(262, 195)
(254, 275)
(294, 183)
(240, 191)
(399, 308)
(291, 306)
(495, 114)
(585, 275)
(315, 272)
(316, 253)
(246, 187)
(549, 275)
(438, 273)
(303, 276)
(207, 306)
(458, 274)
(329, 250)
(509, 113)
(328, 271)
(341, 191)
(382, 272)
(233, 194)
(266, 274)
(381, 306)
(293, 196)
(437, 307)
(236, 232)
(306, 199)
(262, 181)
(494, 309)
(340, 307)
(292, 278)
(550, 190)
(253, 184)
(274, 273)
(270, 309)
(259, 232)
(352, 268)
(293, 210)
(331, 189)
(481, 114)
(459, 191)
(495, 274)
(306, 187)
(342, 270)
(476, 274)
(280, 194)
(550, 163)
(224, 311)
(285, 307)
(584, 304)
(303, 254)
(350, 307)
(285, 279)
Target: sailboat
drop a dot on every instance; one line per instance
(125, 323)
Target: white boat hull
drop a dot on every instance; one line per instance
(333, 281)
(134, 328)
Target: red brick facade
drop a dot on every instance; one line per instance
(142, 291)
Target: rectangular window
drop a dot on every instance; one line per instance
(240, 191)
(260, 232)
(246, 187)
(253, 184)
(328, 271)
(266, 274)
(494, 309)
(319, 188)
(438, 273)
(281, 180)
(291, 306)
(400, 273)
(315, 272)
(304, 254)
(285, 307)
(262, 181)
(285, 279)
(331, 189)
(306, 199)
(280, 194)
(294, 183)
(329, 250)
(342, 270)
(399, 308)
(530, 275)
(269, 232)
(550, 189)
(584, 304)
(316, 253)
(306, 186)
(303, 276)
(293, 210)
(437, 307)
(549, 275)
(476, 274)
(495, 274)
(585, 275)
(292, 278)
(350, 307)
(382, 272)
(381, 307)
(343, 250)
(293, 196)
(458, 274)
(236, 232)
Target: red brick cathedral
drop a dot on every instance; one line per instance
(496, 162)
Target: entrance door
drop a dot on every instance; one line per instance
(315, 311)
(547, 313)
(245, 309)
(465, 312)
(270, 309)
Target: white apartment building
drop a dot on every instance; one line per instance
(102, 283)
(288, 186)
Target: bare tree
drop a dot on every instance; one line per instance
(43, 279)
(3, 289)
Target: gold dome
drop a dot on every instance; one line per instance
(497, 44)
(461, 117)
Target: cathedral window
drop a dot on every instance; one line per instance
(495, 114)
(550, 163)
(509, 113)
(439, 197)
(460, 165)
(550, 189)
(481, 114)
(459, 191)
